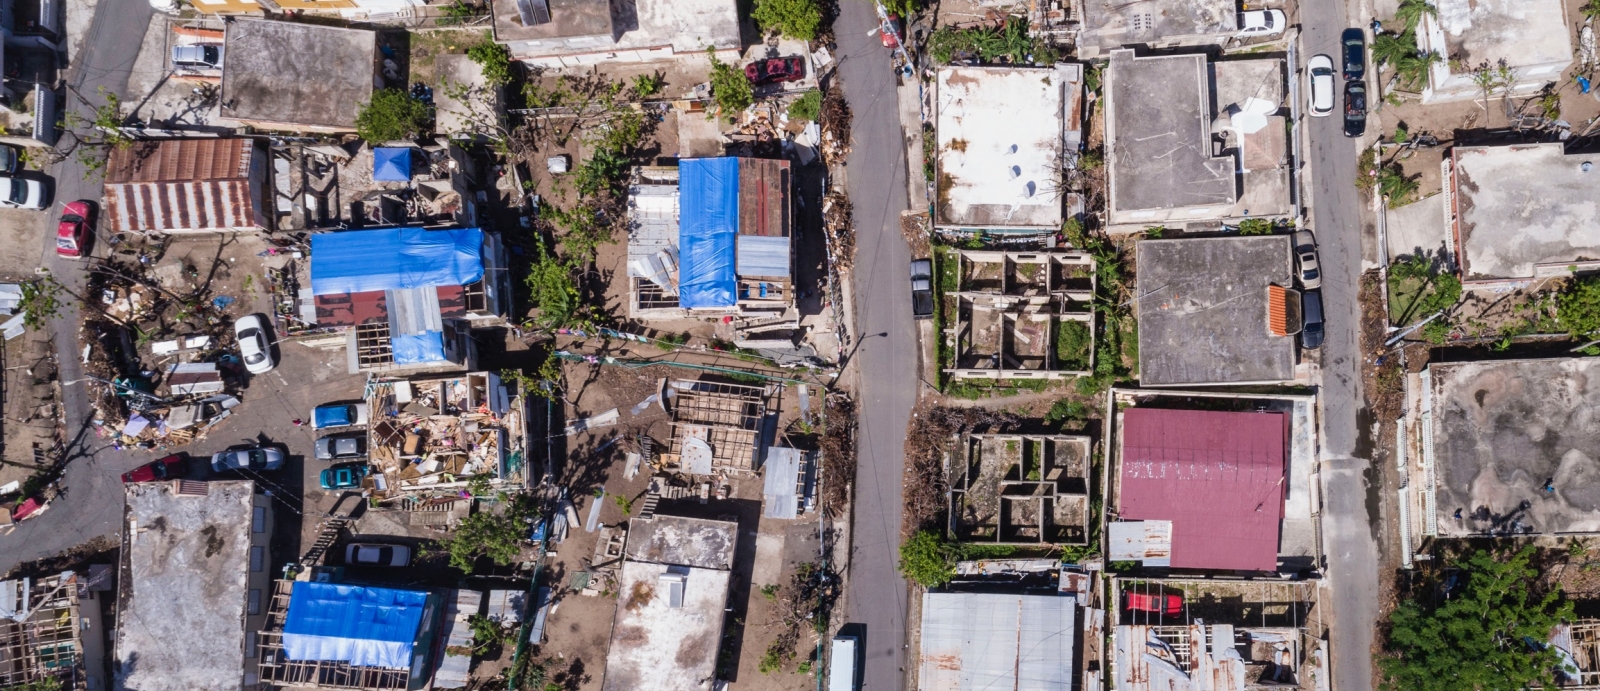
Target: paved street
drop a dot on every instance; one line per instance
(1348, 529)
(887, 364)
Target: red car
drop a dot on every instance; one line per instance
(773, 70)
(889, 31)
(159, 469)
(75, 229)
(1155, 604)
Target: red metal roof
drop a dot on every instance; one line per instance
(351, 309)
(1219, 477)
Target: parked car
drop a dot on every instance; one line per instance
(774, 70)
(167, 468)
(1355, 108)
(333, 415)
(201, 55)
(342, 447)
(1305, 257)
(889, 30)
(373, 554)
(251, 332)
(75, 229)
(21, 193)
(10, 159)
(1155, 604)
(922, 288)
(344, 476)
(248, 457)
(1262, 23)
(1354, 43)
(1319, 84)
(1311, 311)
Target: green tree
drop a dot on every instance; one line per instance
(1255, 226)
(792, 18)
(730, 87)
(1494, 634)
(553, 290)
(392, 114)
(1578, 307)
(483, 534)
(1396, 185)
(495, 59)
(41, 300)
(928, 559)
(1591, 10)
(1411, 12)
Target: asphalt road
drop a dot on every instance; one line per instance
(1349, 520)
(92, 503)
(886, 361)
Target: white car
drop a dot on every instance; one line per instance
(1262, 23)
(1305, 255)
(21, 193)
(251, 332)
(373, 554)
(1320, 79)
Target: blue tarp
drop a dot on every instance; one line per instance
(708, 204)
(417, 349)
(331, 416)
(391, 164)
(366, 627)
(356, 261)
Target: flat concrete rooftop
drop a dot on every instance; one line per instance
(297, 74)
(1501, 430)
(186, 565)
(1158, 136)
(697, 542)
(1521, 32)
(1111, 24)
(663, 641)
(1203, 311)
(576, 27)
(1519, 207)
(568, 19)
(1000, 145)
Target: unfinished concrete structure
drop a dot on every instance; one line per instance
(195, 579)
(1016, 489)
(975, 641)
(1217, 311)
(295, 76)
(1229, 636)
(573, 33)
(1006, 180)
(432, 433)
(1522, 212)
(1192, 142)
(1108, 24)
(45, 634)
(1505, 447)
(672, 590)
(1579, 641)
(716, 427)
(1530, 38)
(1023, 315)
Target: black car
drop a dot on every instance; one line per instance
(1311, 311)
(1354, 44)
(1355, 108)
(921, 289)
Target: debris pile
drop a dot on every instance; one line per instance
(440, 434)
(929, 439)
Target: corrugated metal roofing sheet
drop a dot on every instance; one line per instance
(1148, 542)
(976, 641)
(180, 160)
(763, 197)
(781, 475)
(762, 257)
(1218, 476)
(185, 184)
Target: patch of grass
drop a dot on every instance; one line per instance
(1417, 289)
(807, 107)
(1073, 340)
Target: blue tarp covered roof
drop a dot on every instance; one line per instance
(366, 627)
(391, 164)
(357, 261)
(708, 207)
(419, 348)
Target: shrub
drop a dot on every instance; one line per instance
(1578, 307)
(807, 107)
(730, 87)
(792, 18)
(928, 559)
(1255, 226)
(392, 114)
(1072, 345)
(495, 59)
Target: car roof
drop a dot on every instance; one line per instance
(1353, 33)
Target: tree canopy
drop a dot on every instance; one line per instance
(1491, 634)
(792, 18)
(392, 114)
(928, 559)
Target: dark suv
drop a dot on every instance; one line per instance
(1353, 46)
(921, 288)
(1355, 108)
(1311, 309)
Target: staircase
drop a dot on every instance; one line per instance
(332, 528)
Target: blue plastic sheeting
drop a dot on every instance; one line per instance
(417, 349)
(708, 209)
(331, 416)
(357, 261)
(366, 627)
(391, 164)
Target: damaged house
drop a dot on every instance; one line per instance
(714, 237)
(188, 186)
(717, 428)
(344, 636)
(432, 433)
(1192, 142)
(1023, 315)
(1011, 489)
(414, 312)
(50, 631)
(572, 33)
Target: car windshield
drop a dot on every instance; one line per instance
(257, 457)
(212, 54)
(1266, 19)
(19, 192)
(71, 218)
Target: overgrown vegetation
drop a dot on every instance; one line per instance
(804, 603)
(392, 114)
(496, 535)
(1491, 634)
(1397, 188)
(1579, 308)
(1009, 43)
(459, 12)
(730, 88)
(1399, 50)
(1418, 289)
(1073, 340)
(1117, 349)
(495, 59)
(41, 300)
(1255, 226)
(807, 107)
(793, 18)
(928, 559)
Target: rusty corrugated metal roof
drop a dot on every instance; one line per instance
(764, 197)
(185, 184)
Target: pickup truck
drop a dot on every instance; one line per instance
(922, 288)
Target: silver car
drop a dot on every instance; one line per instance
(1305, 259)
(373, 554)
(247, 458)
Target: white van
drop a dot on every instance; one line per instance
(842, 664)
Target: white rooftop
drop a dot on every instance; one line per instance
(668, 628)
(1000, 132)
(1521, 32)
(1525, 210)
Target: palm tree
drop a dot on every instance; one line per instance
(1391, 48)
(1413, 70)
(1411, 12)
(1394, 184)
